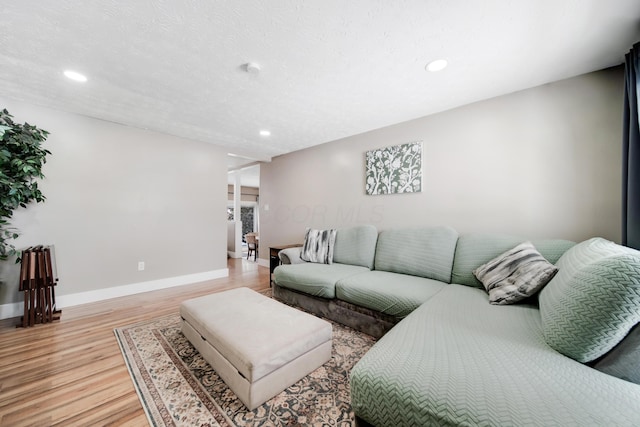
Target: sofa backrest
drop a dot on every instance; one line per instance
(474, 250)
(593, 302)
(425, 252)
(356, 245)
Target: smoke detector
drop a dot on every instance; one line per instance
(251, 68)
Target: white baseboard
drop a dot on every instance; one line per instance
(263, 262)
(235, 254)
(17, 309)
(7, 311)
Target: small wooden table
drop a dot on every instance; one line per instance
(274, 260)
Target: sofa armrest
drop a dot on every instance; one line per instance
(290, 256)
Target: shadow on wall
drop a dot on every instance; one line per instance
(9, 277)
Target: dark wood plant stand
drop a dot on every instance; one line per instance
(37, 282)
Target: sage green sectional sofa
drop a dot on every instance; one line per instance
(569, 355)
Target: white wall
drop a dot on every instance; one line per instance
(543, 162)
(117, 195)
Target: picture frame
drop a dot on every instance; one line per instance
(394, 169)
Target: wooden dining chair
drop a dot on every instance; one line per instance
(252, 245)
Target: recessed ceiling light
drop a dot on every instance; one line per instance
(73, 75)
(437, 65)
(265, 132)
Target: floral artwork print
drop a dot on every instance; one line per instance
(395, 169)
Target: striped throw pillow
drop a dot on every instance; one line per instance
(515, 275)
(318, 246)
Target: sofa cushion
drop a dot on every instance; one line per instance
(318, 246)
(458, 360)
(515, 275)
(425, 252)
(624, 360)
(356, 245)
(389, 293)
(476, 249)
(594, 300)
(314, 279)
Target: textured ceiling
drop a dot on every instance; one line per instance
(329, 68)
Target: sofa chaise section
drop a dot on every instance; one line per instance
(458, 360)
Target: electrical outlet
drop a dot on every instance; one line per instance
(140, 265)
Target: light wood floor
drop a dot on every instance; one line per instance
(71, 372)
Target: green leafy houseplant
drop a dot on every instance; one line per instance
(21, 161)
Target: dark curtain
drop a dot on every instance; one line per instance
(631, 152)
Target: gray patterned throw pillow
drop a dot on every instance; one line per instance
(318, 246)
(515, 275)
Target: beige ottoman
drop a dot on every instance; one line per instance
(257, 345)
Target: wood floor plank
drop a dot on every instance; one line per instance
(122, 411)
(17, 384)
(71, 372)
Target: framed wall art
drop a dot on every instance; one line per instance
(394, 169)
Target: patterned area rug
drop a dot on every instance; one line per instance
(177, 387)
